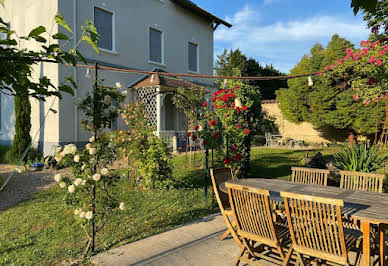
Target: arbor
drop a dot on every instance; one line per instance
(235, 59)
(16, 69)
(326, 105)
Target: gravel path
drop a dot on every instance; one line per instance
(23, 186)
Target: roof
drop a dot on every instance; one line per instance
(157, 79)
(189, 5)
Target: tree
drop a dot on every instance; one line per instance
(17, 64)
(366, 5)
(235, 59)
(323, 104)
(377, 21)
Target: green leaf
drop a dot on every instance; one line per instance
(8, 42)
(37, 31)
(61, 21)
(60, 36)
(81, 57)
(66, 88)
(70, 80)
(40, 39)
(2, 2)
(52, 110)
(93, 44)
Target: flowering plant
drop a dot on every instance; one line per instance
(364, 70)
(90, 187)
(229, 124)
(149, 153)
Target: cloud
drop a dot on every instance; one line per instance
(283, 43)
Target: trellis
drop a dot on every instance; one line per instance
(146, 95)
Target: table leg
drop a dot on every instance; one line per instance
(382, 243)
(365, 243)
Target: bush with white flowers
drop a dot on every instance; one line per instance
(90, 189)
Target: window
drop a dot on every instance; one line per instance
(156, 46)
(103, 21)
(193, 57)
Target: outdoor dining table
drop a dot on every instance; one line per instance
(367, 207)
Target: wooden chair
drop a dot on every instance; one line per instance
(371, 182)
(255, 224)
(309, 176)
(219, 176)
(316, 229)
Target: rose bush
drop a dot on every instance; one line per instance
(90, 189)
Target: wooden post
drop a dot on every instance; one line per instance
(382, 244)
(365, 243)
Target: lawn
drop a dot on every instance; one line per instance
(42, 229)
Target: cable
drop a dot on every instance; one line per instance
(28, 148)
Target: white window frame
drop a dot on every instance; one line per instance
(114, 50)
(163, 63)
(188, 55)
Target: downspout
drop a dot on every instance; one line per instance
(75, 72)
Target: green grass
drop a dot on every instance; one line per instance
(42, 229)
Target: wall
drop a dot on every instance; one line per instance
(303, 131)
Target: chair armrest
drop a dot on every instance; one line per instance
(228, 212)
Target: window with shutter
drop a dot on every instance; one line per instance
(193, 57)
(103, 21)
(156, 39)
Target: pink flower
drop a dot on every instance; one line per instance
(364, 50)
(320, 74)
(366, 103)
(378, 62)
(372, 59)
(355, 97)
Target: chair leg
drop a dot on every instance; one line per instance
(240, 254)
(287, 259)
(224, 235)
(358, 256)
(301, 261)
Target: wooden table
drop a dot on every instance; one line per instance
(368, 207)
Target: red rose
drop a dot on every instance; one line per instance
(224, 106)
(231, 95)
(215, 106)
(204, 142)
(245, 108)
(213, 122)
(247, 131)
(194, 138)
(238, 109)
(239, 126)
(204, 104)
(215, 93)
(189, 134)
(238, 156)
(196, 127)
(215, 135)
(213, 99)
(227, 161)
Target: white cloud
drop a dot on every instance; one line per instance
(284, 43)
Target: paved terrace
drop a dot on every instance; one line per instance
(195, 243)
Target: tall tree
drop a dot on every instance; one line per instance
(323, 105)
(235, 59)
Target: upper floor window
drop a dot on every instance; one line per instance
(193, 57)
(103, 21)
(156, 46)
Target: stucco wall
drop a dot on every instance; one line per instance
(303, 131)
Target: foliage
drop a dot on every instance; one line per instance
(366, 5)
(230, 124)
(324, 104)
(189, 101)
(92, 188)
(235, 59)
(377, 21)
(364, 70)
(360, 158)
(147, 152)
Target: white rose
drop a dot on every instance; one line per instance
(77, 211)
(118, 85)
(78, 182)
(107, 100)
(90, 126)
(83, 182)
(88, 146)
(91, 139)
(124, 93)
(104, 171)
(77, 158)
(237, 103)
(71, 189)
(96, 177)
(58, 177)
(62, 184)
(122, 206)
(89, 215)
(81, 214)
(58, 149)
(92, 151)
(83, 167)
(58, 158)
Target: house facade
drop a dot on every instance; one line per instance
(155, 35)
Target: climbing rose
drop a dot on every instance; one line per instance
(238, 156)
(239, 126)
(78, 182)
(71, 189)
(92, 151)
(82, 214)
(122, 206)
(76, 158)
(247, 131)
(204, 104)
(104, 171)
(213, 122)
(196, 127)
(96, 177)
(62, 184)
(215, 135)
(89, 215)
(245, 108)
(58, 177)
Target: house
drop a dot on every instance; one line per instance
(164, 35)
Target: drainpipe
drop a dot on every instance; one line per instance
(75, 71)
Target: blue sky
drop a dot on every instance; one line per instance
(280, 32)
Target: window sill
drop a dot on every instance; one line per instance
(106, 51)
(193, 72)
(156, 63)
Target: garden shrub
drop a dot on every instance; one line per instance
(360, 158)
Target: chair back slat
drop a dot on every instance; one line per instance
(252, 211)
(371, 182)
(309, 175)
(219, 176)
(315, 225)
